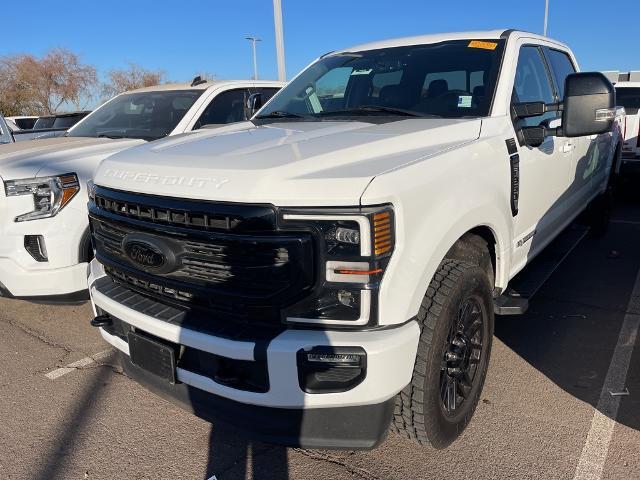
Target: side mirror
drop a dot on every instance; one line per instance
(589, 105)
(254, 103)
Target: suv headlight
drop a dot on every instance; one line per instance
(50, 194)
(354, 249)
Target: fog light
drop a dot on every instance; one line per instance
(346, 298)
(34, 244)
(331, 369)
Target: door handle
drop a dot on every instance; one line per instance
(568, 147)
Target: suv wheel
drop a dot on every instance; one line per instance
(457, 321)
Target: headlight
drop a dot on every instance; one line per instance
(50, 194)
(355, 248)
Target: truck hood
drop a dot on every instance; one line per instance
(287, 163)
(53, 156)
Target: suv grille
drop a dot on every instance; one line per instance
(233, 263)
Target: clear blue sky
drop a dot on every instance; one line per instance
(186, 37)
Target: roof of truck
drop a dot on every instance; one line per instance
(441, 37)
(205, 85)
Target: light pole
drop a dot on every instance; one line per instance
(546, 16)
(255, 57)
(277, 20)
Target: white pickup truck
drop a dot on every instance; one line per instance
(332, 267)
(44, 230)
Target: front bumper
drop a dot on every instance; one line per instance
(285, 414)
(63, 274)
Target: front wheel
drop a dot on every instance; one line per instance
(457, 321)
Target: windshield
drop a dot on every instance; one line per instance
(44, 122)
(68, 121)
(629, 98)
(450, 79)
(145, 115)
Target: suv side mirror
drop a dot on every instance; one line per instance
(589, 105)
(254, 103)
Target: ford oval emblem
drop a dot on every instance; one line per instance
(144, 254)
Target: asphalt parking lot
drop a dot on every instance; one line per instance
(66, 410)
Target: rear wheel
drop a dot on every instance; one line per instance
(457, 321)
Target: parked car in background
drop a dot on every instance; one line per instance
(333, 267)
(24, 122)
(628, 95)
(6, 134)
(50, 126)
(44, 230)
(60, 121)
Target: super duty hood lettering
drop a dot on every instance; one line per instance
(166, 180)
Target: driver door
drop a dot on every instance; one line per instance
(544, 170)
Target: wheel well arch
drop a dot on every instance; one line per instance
(472, 241)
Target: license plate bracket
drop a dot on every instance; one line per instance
(153, 356)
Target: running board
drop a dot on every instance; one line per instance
(515, 300)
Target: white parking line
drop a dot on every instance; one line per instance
(83, 362)
(594, 453)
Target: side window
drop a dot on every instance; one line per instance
(330, 88)
(562, 66)
(226, 107)
(532, 83)
(334, 83)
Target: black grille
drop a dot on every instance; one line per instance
(250, 270)
(208, 216)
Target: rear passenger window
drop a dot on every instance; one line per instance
(532, 84)
(562, 67)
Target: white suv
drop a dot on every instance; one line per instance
(44, 232)
(333, 266)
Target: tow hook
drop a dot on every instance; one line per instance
(101, 321)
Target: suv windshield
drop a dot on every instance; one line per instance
(451, 79)
(145, 115)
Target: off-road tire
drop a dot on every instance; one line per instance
(419, 413)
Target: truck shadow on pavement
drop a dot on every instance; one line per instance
(68, 438)
(234, 456)
(571, 329)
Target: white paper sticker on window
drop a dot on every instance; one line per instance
(362, 72)
(464, 101)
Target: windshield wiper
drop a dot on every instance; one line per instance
(280, 114)
(112, 135)
(363, 109)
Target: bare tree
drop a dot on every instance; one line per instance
(131, 78)
(29, 85)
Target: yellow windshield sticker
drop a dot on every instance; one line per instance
(485, 45)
